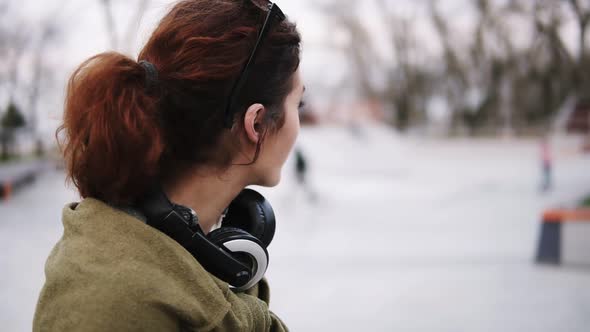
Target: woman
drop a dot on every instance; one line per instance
(210, 108)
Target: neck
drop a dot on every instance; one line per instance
(208, 193)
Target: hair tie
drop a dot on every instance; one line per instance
(151, 75)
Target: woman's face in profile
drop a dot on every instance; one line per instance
(276, 148)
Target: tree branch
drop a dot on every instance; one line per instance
(133, 25)
(110, 22)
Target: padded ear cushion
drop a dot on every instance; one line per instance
(224, 234)
(245, 248)
(251, 212)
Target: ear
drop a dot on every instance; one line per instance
(253, 122)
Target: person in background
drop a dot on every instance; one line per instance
(301, 175)
(546, 165)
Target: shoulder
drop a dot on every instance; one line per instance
(111, 265)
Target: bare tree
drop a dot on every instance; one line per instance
(23, 47)
(406, 81)
(14, 34)
(131, 31)
(491, 81)
(582, 11)
(110, 22)
(48, 34)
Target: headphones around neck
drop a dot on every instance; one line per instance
(235, 253)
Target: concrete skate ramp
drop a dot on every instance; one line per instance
(565, 237)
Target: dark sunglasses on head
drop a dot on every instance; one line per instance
(273, 11)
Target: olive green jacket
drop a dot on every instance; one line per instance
(112, 272)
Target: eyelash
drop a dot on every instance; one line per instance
(301, 105)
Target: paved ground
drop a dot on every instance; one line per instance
(407, 235)
(15, 175)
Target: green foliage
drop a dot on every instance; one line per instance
(12, 118)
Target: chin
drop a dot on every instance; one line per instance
(271, 180)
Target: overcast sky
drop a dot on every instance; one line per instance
(85, 34)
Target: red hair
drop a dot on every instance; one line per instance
(120, 136)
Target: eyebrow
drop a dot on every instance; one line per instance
(304, 88)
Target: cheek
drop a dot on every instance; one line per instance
(294, 127)
(285, 139)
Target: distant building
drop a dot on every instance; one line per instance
(578, 120)
(352, 112)
(308, 117)
(574, 118)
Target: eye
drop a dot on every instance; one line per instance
(301, 106)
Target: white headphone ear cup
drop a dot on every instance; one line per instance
(239, 244)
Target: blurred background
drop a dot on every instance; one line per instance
(437, 135)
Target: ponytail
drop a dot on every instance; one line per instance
(112, 140)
